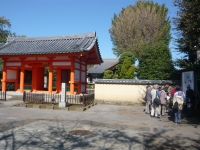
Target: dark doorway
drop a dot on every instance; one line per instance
(65, 76)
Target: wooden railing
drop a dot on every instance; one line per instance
(3, 95)
(80, 99)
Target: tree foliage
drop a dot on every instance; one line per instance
(127, 70)
(4, 29)
(187, 25)
(5, 32)
(125, 66)
(108, 74)
(155, 63)
(138, 25)
(125, 55)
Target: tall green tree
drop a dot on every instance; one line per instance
(155, 63)
(125, 67)
(127, 70)
(144, 30)
(138, 25)
(187, 25)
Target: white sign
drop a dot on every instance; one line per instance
(63, 93)
(187, 79)
(63, 96)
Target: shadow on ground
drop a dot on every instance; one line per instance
(54, 134)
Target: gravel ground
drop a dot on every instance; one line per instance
(99, 127)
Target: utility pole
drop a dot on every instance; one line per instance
(198, 50)
(197, 95)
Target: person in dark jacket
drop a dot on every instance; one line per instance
(148, 99)
(189, 101)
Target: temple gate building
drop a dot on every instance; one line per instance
(63, 59)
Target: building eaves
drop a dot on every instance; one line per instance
(102, 67)
(50, 45)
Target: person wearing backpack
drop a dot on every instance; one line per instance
(163, 100)
(177, 107)
(155, 106)
(178, 89)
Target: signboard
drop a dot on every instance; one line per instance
(62, 103)
(63, 93)
(187, 79)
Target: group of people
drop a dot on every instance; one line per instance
(159, 101)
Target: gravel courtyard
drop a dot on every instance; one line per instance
(99, 127)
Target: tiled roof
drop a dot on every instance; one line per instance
(50, 45)
(136, 81)
(102, 67)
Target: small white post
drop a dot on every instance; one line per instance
(63, 96)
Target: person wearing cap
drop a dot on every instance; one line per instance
(189, 101)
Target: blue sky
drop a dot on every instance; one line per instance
(35, 18)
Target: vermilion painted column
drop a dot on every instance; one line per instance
(4, 76)
(80, 80)
(58, 80)
(22, 78)
(50, 78)
(16, 82)
(72, 77)
(34, 78)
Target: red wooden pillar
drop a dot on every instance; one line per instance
(50, 77)
(22, 77)
(16, 82)
(34, 78)
(72, 76)
(58, 80)
(4, 76)
(80, 80)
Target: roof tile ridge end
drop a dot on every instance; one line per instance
(7, 44)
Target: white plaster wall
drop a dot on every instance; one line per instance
(83, 76)
(77, 65)
(82, 87)
(119, 92)
(77, 75)
(61, 63)
(13, 59)
(61, 58)
(13, 64)
(31, 58)
(42, 58)
(11, 74)
(83, 67)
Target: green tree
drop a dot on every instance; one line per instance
(5, 32)
(125, 66)
(108, 74)
(125, 55)
(187, 25)
(4, 29)
(155, 63)
(138, 25)
(127, 70)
